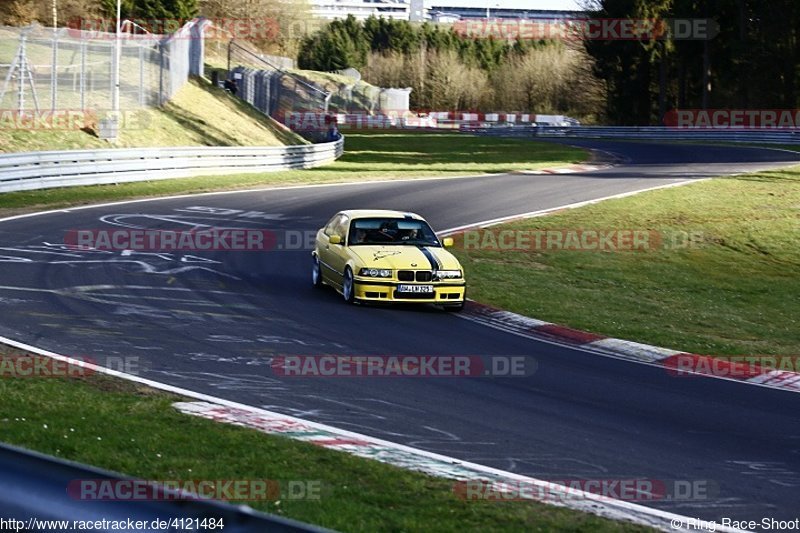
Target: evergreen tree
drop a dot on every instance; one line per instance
(152, 10)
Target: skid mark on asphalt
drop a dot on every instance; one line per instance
(157, 263)
(353, 415)
(203, 357)
(249, 383)
(199, 217)
(772, 472)
(13, 301)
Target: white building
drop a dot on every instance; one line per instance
(445, 10)
(448, 10)
(360, 9)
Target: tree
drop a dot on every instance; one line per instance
(551, 78)
(753, 62)
(19, 13)
(23, 12)
(154, 15)
(446, 70)
(286, 23)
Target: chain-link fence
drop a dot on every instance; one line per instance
(44, 69)
(269, 87)
(280, 92)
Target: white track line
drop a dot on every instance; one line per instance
(543, 212)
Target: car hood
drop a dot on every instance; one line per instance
(406, 257)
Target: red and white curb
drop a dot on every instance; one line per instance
(570, 169)
(599, 160)
(437, 465)
(675, 362)
(399, 455)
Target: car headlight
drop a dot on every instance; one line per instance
(375, 273)
(448, 274)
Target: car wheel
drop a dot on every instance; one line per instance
(316, 273)
(348, 290)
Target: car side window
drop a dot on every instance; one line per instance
(329, 228)
(340, 227)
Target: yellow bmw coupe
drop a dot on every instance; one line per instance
(387, 256)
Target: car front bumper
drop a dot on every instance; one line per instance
(386, 291)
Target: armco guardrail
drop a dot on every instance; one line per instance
(655, 133)
(42, 170)
(33, 490)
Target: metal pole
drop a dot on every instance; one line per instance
(161, 99)
(22, 69)
(54, 62)
(54, 72)
(11, 69)
(32, 85)
(84, 45)
(141, 76)
(117, 57)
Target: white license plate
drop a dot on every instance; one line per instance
(415, 288)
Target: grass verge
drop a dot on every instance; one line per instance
(369, 155)
(124, 427)
(730, 289)
(198, 115)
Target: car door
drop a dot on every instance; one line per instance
(337, 253)
(329, 253)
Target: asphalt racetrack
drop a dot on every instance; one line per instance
(212, 322)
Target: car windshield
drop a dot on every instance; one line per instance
(391, 231)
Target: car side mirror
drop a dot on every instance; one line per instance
(335, 239)
(447, 242)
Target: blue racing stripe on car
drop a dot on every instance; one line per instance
(430, 257)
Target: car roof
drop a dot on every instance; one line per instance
(380, 213)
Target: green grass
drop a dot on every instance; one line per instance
(790, 147)
(130, 429)
(368, 155)
(734, 291)
(198, 115)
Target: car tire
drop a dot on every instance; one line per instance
(348, 286)
(316, 273)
